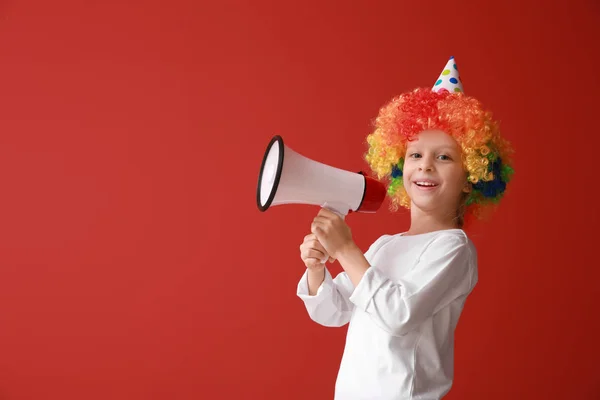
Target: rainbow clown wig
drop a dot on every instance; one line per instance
(485, 154)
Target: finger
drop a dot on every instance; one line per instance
(330, 215)
(321, 224)
(316, 228)
(323, 220)
(312, 253)
(324, 212)
(313, 262)
(326, 222)
(315, 244)
(309, 237)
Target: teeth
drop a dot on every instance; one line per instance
(425, 184)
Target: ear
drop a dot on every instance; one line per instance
(468, 187)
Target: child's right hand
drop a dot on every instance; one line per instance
(313, 253)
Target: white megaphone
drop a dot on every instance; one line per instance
(287, 177)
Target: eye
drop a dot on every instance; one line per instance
(444, 157)
(415, 155)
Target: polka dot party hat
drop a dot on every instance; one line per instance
(449, 79)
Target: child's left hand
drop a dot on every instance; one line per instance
(332, 232)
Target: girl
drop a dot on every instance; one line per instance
(444, 159)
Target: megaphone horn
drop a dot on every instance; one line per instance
(287, 177)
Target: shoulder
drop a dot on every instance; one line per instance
(379, 243)
(456, 237)
(450, 242)
(382, 240)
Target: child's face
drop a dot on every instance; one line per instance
(434, 176)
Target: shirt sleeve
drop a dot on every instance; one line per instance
(331, 305)
(442, 274)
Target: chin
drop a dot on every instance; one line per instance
(427, 203)
(425, 206)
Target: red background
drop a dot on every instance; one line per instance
(134, 263)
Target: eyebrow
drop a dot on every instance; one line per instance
(445, 147)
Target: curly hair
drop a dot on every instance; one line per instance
(485, 154)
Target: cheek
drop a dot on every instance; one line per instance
(457, 177)
(407, 174)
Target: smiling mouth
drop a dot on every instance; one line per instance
(423, 184)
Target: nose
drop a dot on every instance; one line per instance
(426, 164)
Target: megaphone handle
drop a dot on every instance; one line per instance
(340, 210)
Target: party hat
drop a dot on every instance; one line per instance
(449, 79)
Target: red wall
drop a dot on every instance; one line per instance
(134, 263)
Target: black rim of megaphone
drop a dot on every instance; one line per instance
(279, 140)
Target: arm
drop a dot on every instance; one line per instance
(315, 279)
(326, 299)
(330, 305)
(442, 275)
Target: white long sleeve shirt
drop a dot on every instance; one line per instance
(402, 315)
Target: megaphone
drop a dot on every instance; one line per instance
(287, 177)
